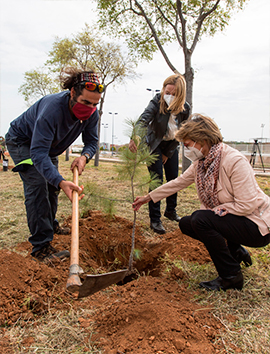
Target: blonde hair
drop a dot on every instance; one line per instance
(177, 104)
(199, 128)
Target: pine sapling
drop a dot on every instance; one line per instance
(131, 169)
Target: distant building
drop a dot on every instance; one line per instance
(76, 148)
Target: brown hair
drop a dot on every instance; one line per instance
(177, 104)
(199, 128)
(70, 77)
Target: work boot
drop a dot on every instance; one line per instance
(48, 252)
(232, 282)
(172, 215)
(157, 227)
(61, 230)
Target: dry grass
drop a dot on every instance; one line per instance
(244, 314)
(62, 332)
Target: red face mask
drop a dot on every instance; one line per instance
(82, 112)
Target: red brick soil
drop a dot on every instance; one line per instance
(153, 313)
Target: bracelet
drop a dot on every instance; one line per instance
(87, 156)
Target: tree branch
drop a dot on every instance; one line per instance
(199, 22)
(174, 26)
(133, 10)
(183, 25)
(150, 25)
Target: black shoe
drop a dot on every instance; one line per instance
(61, 230)
(172, 215)
(232, 282)
(48, 252)
(158, 227)
(242, 255)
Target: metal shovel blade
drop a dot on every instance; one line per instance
(96, 282)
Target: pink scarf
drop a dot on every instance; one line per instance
(207, 175)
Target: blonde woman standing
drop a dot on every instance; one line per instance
(163, 117)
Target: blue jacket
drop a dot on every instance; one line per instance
(49, 129)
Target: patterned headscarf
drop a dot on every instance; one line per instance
(87, 77)
(207, 175)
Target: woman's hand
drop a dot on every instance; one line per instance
(80, 162)
(164, 159)
(220, 211)
(139, 201)
(68, 187)
(132, 146)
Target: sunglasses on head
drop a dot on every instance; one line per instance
(91, 86)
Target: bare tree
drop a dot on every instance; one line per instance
(148, 25)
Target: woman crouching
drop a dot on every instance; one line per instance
(234, 210)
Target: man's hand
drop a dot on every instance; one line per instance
(139, 201)
(68, 187)
(80, 162)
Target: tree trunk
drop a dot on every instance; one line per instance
(96, 163)
(189, 76)
(67, 154)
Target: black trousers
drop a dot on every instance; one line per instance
(41, 198)
(171, 168)
(214, 230)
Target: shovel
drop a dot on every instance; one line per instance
(92, 283)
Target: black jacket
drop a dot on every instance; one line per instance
(157, 125)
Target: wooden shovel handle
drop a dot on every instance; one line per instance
(74, 251)
(73, 281)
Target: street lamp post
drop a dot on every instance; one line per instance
(113, 114)
(262, 126)
(105, 126)
(153, 91)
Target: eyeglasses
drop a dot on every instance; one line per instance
(91, 86)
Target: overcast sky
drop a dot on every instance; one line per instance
(231, 70)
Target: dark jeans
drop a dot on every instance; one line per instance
(171, 169)
(213, 231)
(41, 198)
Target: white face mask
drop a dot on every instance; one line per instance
(168, 99)
(193, 154)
